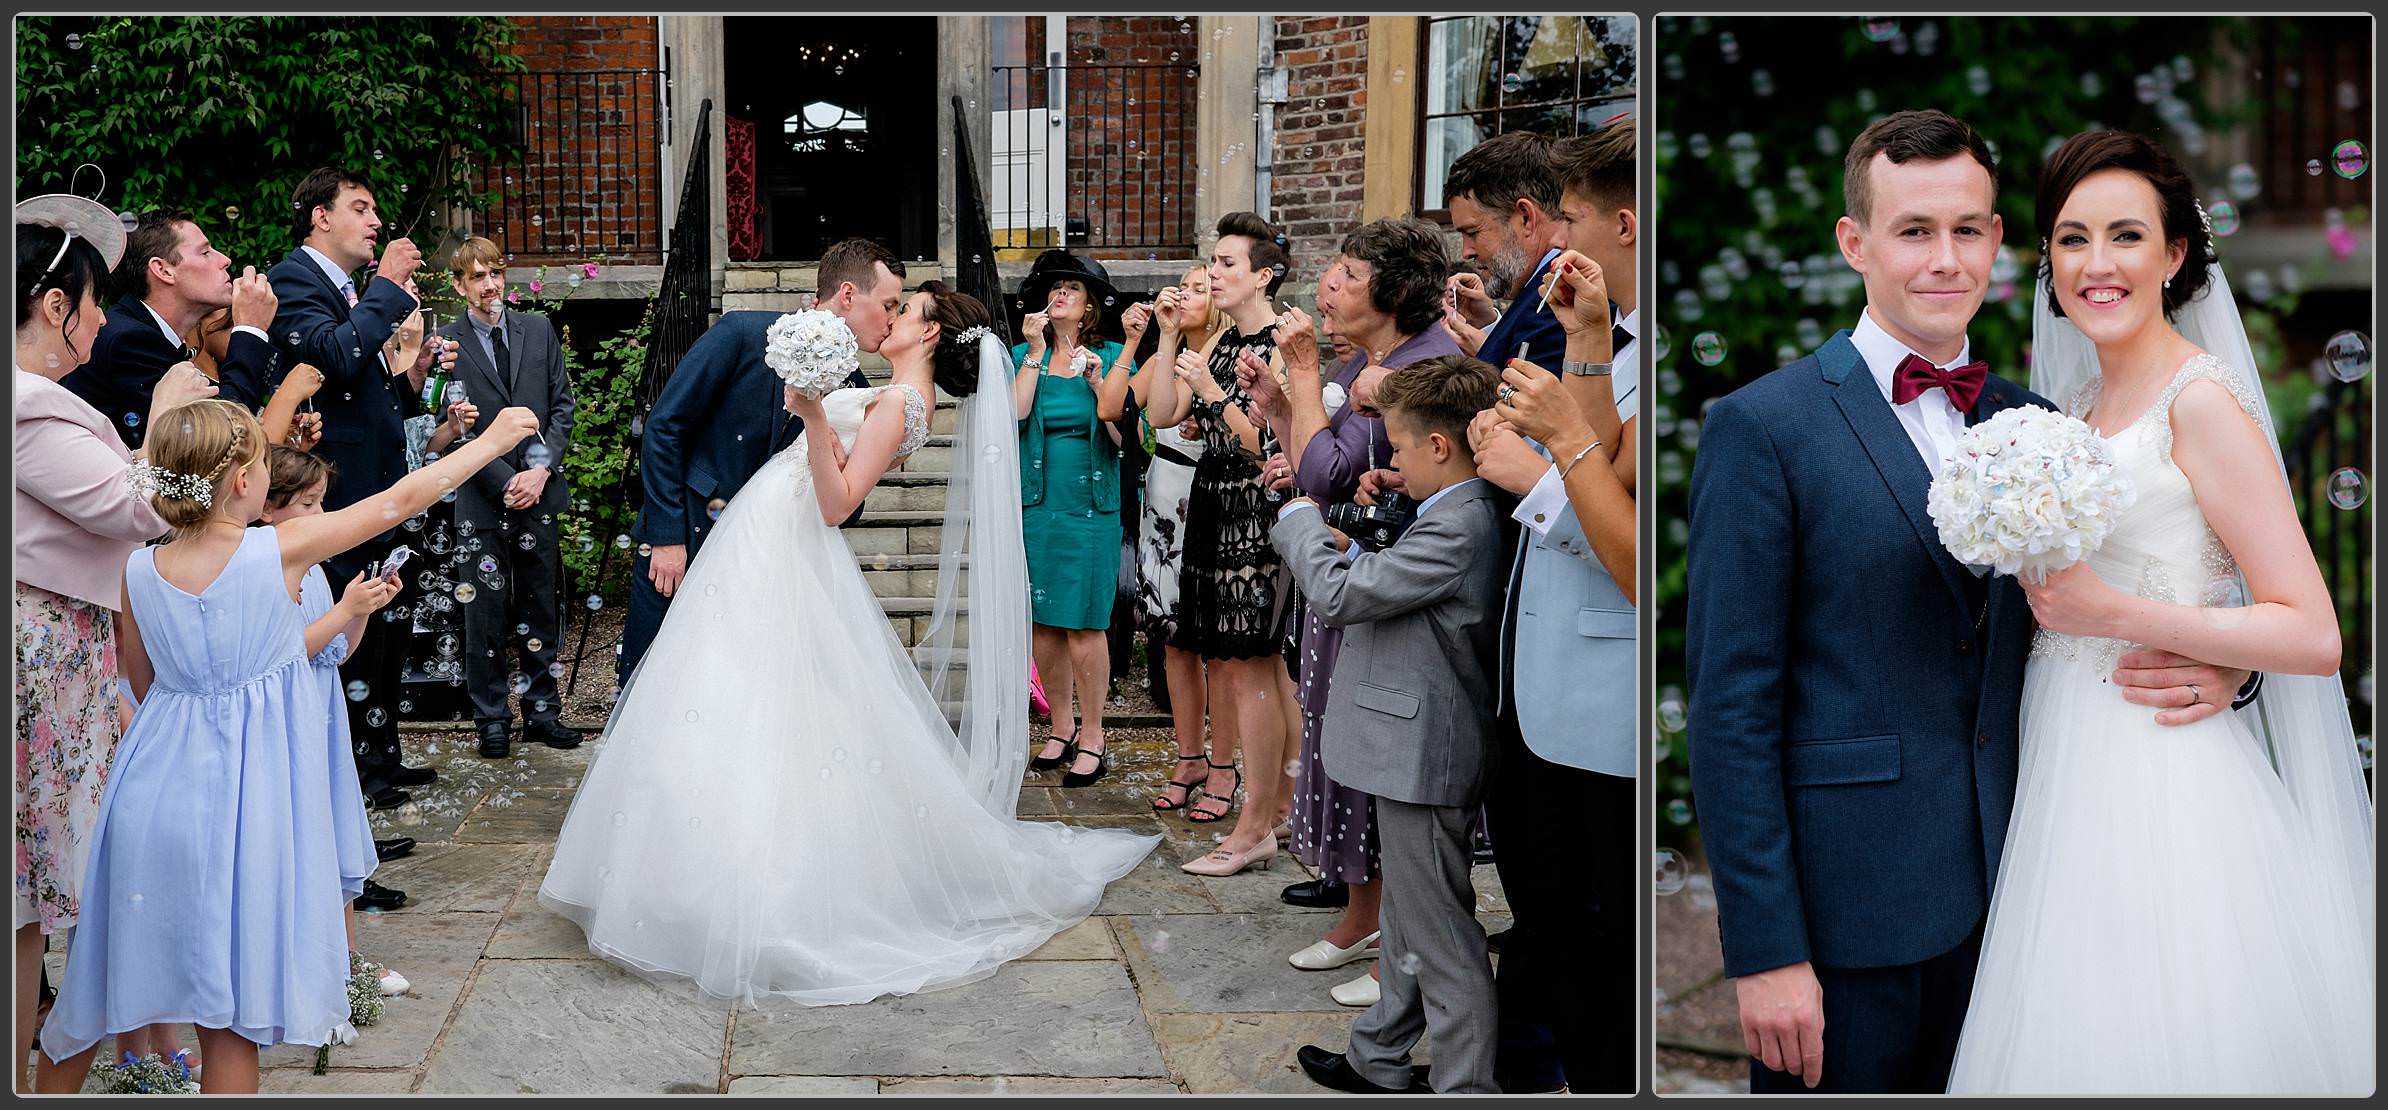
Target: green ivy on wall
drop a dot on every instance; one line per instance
(222, 116)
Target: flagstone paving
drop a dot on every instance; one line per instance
(1177, 984)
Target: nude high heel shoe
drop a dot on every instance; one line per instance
(1222, 863)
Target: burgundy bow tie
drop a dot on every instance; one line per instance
(1963, 383)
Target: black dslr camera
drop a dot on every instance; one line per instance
(1374, 527)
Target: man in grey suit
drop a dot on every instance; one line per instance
(511, 358)
(1411, 723)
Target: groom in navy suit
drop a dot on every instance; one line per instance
(721, 417)
(1854, 689)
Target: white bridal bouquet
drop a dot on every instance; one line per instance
(2029, 491)
(812, 350)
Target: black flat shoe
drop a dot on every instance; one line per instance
(388, 797)
(1069, 755)
(1332, 1071)
(379, 897)
(1317, 894)
(1071, 777)
(552, 733)
(414, 776)
(394, 847)
(495, 744)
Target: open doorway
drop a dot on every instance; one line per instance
(844, 118)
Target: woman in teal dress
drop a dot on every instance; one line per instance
(1069, 494)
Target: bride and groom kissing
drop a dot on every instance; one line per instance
(1973, 834)
(790, 807)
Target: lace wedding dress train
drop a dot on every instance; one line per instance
(778, 813)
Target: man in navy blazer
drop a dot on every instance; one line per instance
(1854, 689)
(327, 320)
(169, 278)
(722, 416)
(1504, 200)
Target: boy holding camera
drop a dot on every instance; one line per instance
(1410, 712)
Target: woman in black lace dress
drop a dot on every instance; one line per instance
(1233, 591)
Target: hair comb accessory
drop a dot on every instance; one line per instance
(972, 334)
(147, 479)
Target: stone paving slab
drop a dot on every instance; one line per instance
(436, 952)
(576, 1027)
(802, 1086)
(535, 817)
(1226, 963)
(1022, 1085)
(1090, 939)
(1239, 1053)
(480, 878)
(530, 931)
(336, 1081)
(1029, 1018)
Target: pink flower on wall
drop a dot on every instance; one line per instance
(588, 269)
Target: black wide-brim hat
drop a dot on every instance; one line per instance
(1060, 265)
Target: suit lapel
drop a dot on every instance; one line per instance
(476, 359)
(1886, 443)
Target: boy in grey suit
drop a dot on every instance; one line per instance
(1411, 708)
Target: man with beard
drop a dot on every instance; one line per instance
(1504, 200)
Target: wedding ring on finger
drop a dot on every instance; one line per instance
(2195, 696)
(1508, 391)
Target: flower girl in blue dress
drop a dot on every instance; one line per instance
(213, 893)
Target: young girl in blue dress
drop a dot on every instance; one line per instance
(213, 891)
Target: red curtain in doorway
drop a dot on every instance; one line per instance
(738, 167)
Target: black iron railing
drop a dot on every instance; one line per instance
(973, 233)
(587, 185)
(1126, 147)
(683, 305)
(2334, 437)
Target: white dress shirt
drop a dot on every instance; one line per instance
(1932, 423)
(176, 339)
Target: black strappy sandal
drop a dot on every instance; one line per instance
(1069, 755)
(1162, 804)
(1201, 818)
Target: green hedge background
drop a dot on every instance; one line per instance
(1753, 117)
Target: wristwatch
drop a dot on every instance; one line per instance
(1587, 369)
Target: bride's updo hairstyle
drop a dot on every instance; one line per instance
(956, 359)
(2176, 206)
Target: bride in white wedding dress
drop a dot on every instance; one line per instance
(780, 812)
(2181, 909)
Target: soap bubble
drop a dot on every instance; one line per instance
(2349, 489)
(2244, 184)
(1881, 30)
(2225, 216)
(2349, 353)
(1709, 348)
(1668, 872)
(2350, 159)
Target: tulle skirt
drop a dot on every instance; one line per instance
(2158, 926)
(776, 815)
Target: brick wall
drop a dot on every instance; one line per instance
(1131, 123)
(1315, 191)
(588, 182)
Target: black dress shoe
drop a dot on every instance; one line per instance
(394, 847)
(379, 897)
(494, 742)
(388, 797)
(1317, 893)
(1332, 1071)
(414, 776)
(552, 733)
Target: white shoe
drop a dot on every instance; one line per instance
(1361, 992)
(1324, 956)
(392, 984)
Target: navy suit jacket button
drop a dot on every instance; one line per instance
(1965, 647)
(1981, 741)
